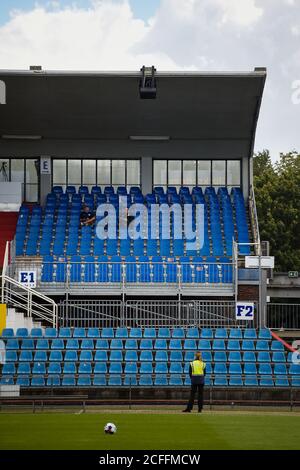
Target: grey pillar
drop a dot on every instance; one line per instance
(146, 175)
(45, 181)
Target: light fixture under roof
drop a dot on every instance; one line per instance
(157, 138)
(21, 137)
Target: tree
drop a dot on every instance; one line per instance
(277, 192)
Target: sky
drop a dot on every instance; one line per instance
(203, 35)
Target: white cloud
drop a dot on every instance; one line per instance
(183, 34)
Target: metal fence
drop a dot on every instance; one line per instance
(283, 316)
(155, 314)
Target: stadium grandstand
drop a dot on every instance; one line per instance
(81, 152)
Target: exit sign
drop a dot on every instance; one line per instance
(293, 274)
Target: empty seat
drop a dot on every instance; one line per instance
(262, 345)
(131, 356)
(86, 356)
(99, 381)
(191, 344)
(146, 344)
(264, 334)
(235, 333)
(277, 346)
(206, 333)
(149, 333)
(251, 381)
(121, 333)
(116, 356)
(249, 356)
(107, 333)
(160, 344)
(100, 368)
(93, 333)
(72, 344)
(266, 381)
(192, 333)
(175, 344)
(218, 344)
(85, 368)
(65, 333)
(220, 368)
(161, 356)
(50, 333)
(161, 380)
(250, 368)
(220, 356)
(68, 380)
(264, 369)
(250, 333)
(220, 381)
(235, 381)
(234, 356)
(178, 333)
(164, 333)
(79, 333)
(38, 381)
(146, 356)
(175, 380)
(248, 345)
(135, 333)
(204, 344)
(235, 368)
(220, 333)
(278, 357)
(84, 381)
(87, 344)
(145, 380)
(116, 344)
(131, 344)
(263, 356)
(233, 345)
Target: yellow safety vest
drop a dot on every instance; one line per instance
(198, 367)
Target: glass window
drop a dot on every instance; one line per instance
(218, 173)
(4, 170)
(31, 171)
(103, 172)
(204, 173)
(233, 172)
(74, 172)
(17, 170)
(174, 173)
(31, 193)
(160, 173)
(59, 172)
(89, 172)
(133, 172)
(118, 172)
(189, 173)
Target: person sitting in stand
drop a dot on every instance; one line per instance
(87, 217)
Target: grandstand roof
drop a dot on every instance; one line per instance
(106, 106)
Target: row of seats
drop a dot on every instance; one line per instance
(137, 333)
(161, 380)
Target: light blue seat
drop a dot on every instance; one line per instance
(249, 356)
(160, 344)
(204, 345)
(72, 344)
(23, 368)
(264, 334)
(161, 380)
(220, 368)
(220, 381)
(100, 368)
(54, 368)
(22, 380)
(131, 368)
(161, 356)
(57, 343)
(56, 355)
(175, 368)
(65, 333)
(187, 381)
(250, 368)
(294, 369)
(175, 380)
(121, 333)
(130, 380)
(86, 356)
(36, 333)
(50, 333)
(190, 344)
(115, 368)
(68, 381)
(131, 356)
(87, 344)
(114, 381)
(218, 344)
(280, 369)
(53, 381)
(178, 333)
(102, 344)
(220, 356)
(248, 345)
(22, 333)
(69, 368)
(99, 381)
(235, 333)
(116, 344)
(85, 368)
(206, 333)
(206, 356)
(37, 381)
(264, 369)
(7, 333)
(175, 344)
(11, 356)
(295, 381)
(263, 356)
(146, 344)
(131, 344)
(25, 356)
(39, 368)
(27, 344)
(146, 368)
(233, 345)
(12, 344)
(79, 333)
(251, 381)
(189, 356)
(42, 344)
(277, 346)
(235, 368)
(107, 333)
(116, 356)
(146, 355)
(281, 381)
(164, 333)
(9, 380)
(278, 356)
(262, 345)
(250, 333)
(84, 381)
(192, 333)
(135, 333)
(93, 333)
(234, 356)
(221, 333)
(9, 368)
(266, 381)
(150, 333)
(235, 381)
(101, 355)
(71, 356)
(145, 380)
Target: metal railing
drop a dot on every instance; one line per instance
(254, 220)
(283, 316)
(155, 314)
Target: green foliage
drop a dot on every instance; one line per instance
(277, 192)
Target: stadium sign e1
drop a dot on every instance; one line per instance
(244, 311)
(28, 278)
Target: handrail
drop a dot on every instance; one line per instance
(254, 219)
(7, 292)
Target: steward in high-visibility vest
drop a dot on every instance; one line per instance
(197, 375)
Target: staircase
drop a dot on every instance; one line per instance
(8, 230)
(16, 319)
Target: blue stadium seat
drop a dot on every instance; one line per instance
(114, 381)
(79, 333)
(42, 344)
(39, 368)
(11, 356)
(69, 368)
(262, 345)
(175, 344)
(116, 355)
(280, 369)
(84, 381)
(235, 333)
(175, 380)
(93, 333)
(206, 333)
(116, 344)
(131, 344)
(204, 344)
(235, 381)
(249, 356)
(146, 344)
(178, 333)
(54, 368)
(176, 356)
(22, 333)
(146, 356)
(164, 333)
(87, 344)
(175, 368)
(191, 344)
(263, 356)
(99, 381)
(234, 356)
(266, 381)
(7, 333)
(277, 346)
(130, 380)
(121, 333)
(250, 333)
(72, 344)
(56, 355)
(9, 380)
(233, 345)
(220, 368)
(86, 356)
(115, 368)
(9, 369)
(131, 368)
(100, 368)
(149, 333)
(50, 333)
(27, 344)
(146, 368)
(37, 381)
(68, 380)
(160, 344)
(295, 382)
(65, 333)
(26, 356)
(161, 380)
(264, 334)
(161, 356)
(278, 357)
(221, 333)
(248, 345)
(85, 368)
(192, 333)
(12, 344)
(131, 356)
(53, 381)
(251, 381)
(220, 356)
(107, 333)
(235, 368)
(101, 355)
(250, 368)
(36, 333)
(294, 369)
(145, 380)
(264, 369)
(135, 333)
(220, 381)
(218, 344)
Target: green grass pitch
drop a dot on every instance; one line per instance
(150, 431)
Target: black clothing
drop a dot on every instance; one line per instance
(194, 389)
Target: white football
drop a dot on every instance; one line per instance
(110, 428)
